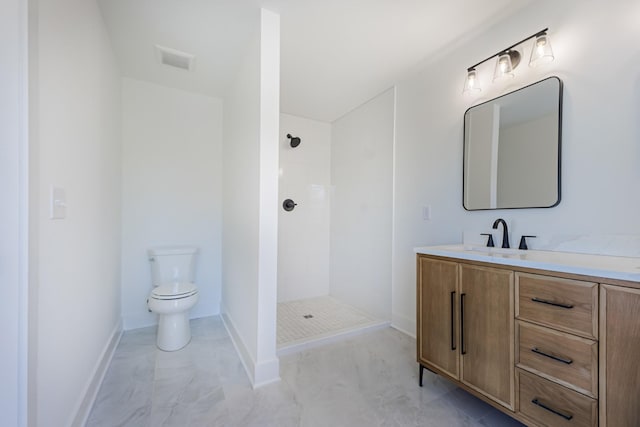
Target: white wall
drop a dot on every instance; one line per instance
(303, 234)
(250, 196)
(77, 259)
(600, 150)
(13, 52)
(361, 207)
(240, 202)
(267, 363)
(171, 190)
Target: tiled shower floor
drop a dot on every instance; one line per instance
(319, 319)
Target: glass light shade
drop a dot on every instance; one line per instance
(471, 84)
(503, 67)
(541, 52)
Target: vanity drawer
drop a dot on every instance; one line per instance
(568, 359)
(550, 404)
(569, 305)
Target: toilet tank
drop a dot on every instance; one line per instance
(171, 265)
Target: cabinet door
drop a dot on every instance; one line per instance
(437, 314)
(619, 354)
(487, 332)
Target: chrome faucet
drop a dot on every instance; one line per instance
(505, 231)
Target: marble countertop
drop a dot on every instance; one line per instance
(609, 267)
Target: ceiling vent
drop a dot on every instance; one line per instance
(175, 58)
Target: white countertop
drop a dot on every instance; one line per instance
(610, 267)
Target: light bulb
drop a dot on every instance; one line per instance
(541, 52)
(471, 84)
(504, 67)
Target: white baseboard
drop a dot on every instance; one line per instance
(241, 348)
(267, 373)
(83, 409)
(259, 374)
(403, 324)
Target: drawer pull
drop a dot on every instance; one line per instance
(555, 304)
(551, 356)
(550, 409)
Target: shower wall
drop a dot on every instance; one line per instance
(303, 233)
(362, 206)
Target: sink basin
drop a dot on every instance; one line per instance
(483, 251)
(493, 251)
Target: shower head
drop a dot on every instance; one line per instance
(295, 141)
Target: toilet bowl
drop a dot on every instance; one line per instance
(174, 294)
(172, 303)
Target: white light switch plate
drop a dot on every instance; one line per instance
(58, 203)
(426, 213)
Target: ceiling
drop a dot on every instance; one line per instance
(335, 54)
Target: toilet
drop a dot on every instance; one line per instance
(173, 295)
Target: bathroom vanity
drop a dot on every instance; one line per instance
(549, 338)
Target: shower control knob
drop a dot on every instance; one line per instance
(288, 205)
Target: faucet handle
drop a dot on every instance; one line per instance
(523, 242)
(490, 240)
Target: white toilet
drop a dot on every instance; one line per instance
(174, 294)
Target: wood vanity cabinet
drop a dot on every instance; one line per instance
(465, 325)
(547, 348)
(619, 356)
(557, 352)
(438, 293)
(486, 332)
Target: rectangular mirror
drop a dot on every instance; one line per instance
(512, 149)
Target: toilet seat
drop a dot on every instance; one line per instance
(174, 291)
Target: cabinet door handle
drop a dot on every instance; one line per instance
(555, 304)
(453, 332)
(463, 349)
(552, 410)
(551, 356)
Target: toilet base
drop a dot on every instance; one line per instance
(174, 331)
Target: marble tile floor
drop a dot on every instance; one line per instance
(367, 380)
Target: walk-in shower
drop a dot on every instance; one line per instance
(334, 230)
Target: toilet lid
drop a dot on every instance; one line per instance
(174, 291)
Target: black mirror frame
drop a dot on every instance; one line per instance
(560, 96)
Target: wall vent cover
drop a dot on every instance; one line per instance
(175, 58)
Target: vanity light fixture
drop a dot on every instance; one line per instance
(509, 59)
(541, 52)
(505, 64)
(471, 82)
